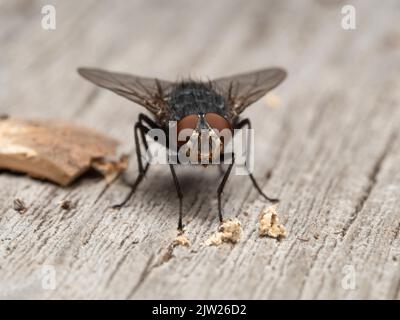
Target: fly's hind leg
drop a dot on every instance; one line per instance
(239, 125)
(255, 184)
(142, 129)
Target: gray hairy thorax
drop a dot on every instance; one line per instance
(194, 98)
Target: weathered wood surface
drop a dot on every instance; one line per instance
(331, 152)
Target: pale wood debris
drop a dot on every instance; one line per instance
(269, 223)
(181, 240)
(229, 231)
(110, 169)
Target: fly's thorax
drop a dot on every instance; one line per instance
(190, 98)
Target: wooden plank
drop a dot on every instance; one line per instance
(330, 152)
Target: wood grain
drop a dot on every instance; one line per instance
(330, 152)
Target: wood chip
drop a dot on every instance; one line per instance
(110, 169)
(229, 231)
(19, 205)
(269, 223)
(54, 150)
(66, 204)
(181, 240)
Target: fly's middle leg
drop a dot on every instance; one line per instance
(180, 196)
(221, 187)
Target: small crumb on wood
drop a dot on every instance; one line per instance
(66, 204)
(110, 169)
(229, 231)
(181, 240)
(272, 100)
(269, 223)
(167, 255)
(19, 206)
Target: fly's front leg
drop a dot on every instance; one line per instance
(180, 196)
(142, 170)
(142, 129)
(239, 125)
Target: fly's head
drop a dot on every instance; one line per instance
(203, 136)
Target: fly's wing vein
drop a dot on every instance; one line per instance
(150, 93)
(241, 90)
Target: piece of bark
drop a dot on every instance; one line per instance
(50, 149)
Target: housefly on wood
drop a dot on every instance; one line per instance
(194, 105)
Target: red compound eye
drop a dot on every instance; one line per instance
(188, 123)
(217, 121)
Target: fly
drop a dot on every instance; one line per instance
(196, 106)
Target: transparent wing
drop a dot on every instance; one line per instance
(147, 92)
(243, 89)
